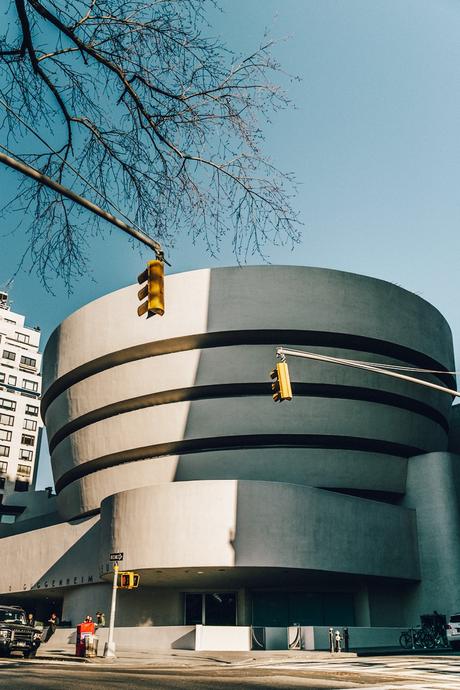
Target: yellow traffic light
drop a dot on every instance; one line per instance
(153, 276)
(128, 580)
(281, 385)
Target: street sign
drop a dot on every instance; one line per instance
(116, 556)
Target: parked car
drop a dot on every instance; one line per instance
(15, 633)
(453, 630)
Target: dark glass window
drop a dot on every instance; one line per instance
(210, 608)
(21, 485)
(193, 609)
(28, 361)
(32, 410)
(27, 440)
(24, 470)
(7, 354)
(220, 608)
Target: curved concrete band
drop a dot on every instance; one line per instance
(244, 534)
(129, 401)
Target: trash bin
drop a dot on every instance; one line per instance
(91, 642)
(83, 630)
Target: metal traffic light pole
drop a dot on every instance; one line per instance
(109, 650)
(282, 352)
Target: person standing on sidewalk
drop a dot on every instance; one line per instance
(52, 625)
(100, 619)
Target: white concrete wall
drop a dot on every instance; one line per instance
(433, 486)
(234, 638)
(142, 639)
(143, 607)
(259, 524)
(62, 555)
(218, 638)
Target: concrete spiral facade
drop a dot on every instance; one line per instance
(167, 427)
(130, 402)
(340, 507)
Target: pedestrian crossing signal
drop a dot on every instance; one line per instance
(128, 580)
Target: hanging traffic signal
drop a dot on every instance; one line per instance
(153, 290)
(281, 385)
(128, 580)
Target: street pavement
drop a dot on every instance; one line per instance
(201, 671)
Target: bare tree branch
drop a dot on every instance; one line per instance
(155, 115)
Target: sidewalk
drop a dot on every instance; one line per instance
(179, 658)
(185, 658)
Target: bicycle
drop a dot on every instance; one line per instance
(417, 638)
(421, 638)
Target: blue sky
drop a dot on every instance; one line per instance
(373, 141)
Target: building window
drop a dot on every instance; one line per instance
(25, 454)
(30, 385)
(7, 354)
(210, 608)
(30, 424)
(2, 377)
(2, 482)
(22, 338)
(10, 321)
(24, 470)
(6, 419)
(7, 519)
(12, 380)
(21, 485)
(32, 410)
(27, 440)
(8, 404)
(5, 435)
(4, 451)
(3, 467)
(28, 361)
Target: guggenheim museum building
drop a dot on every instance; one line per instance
(340, 507)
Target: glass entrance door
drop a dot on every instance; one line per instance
(210, 608)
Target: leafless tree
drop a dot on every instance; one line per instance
(150, 112)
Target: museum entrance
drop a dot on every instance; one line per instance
(40, 605)
(210, 608)
(286, 608)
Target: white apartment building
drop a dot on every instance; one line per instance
(20, 390)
